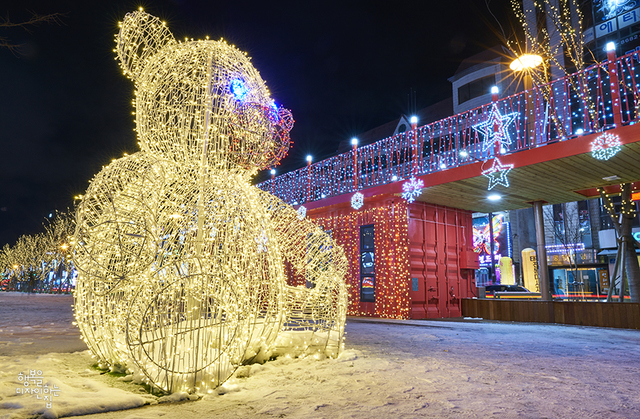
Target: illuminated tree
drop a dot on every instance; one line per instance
(181, 261)
(560, 44)
(567, 228)
(31, 260)
(626, 260)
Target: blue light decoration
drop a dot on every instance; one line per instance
(239, 90)
(496, 128)
(605, 146)
(497, 174)
(412, 189)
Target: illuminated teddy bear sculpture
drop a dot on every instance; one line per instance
(182, 263)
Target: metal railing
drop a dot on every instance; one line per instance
(589, 100)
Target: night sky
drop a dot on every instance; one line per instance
(342, 68)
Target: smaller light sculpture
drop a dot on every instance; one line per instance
(412, 189)
(497, 174)
(182, 263)
(605, 146)
(357, 201)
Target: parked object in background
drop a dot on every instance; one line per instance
(510, 291)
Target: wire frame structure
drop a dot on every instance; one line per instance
(183, 265)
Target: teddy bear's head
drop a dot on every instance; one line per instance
(200, 103)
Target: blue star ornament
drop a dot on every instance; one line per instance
(497, 174)
(496, 128)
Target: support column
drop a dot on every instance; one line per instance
(543, 271)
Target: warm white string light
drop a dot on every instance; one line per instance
(181, 261)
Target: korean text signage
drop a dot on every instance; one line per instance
(613, 15)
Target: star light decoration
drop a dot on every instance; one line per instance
(412, 189)
(605, 146)
(497, 174)
(357, 201)
(182, 263)
(496, 129)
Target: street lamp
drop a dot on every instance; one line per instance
(525, 62)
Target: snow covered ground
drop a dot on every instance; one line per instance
(390, 369)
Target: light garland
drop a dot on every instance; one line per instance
(182, 263)
(605, 146)
(357, 200)
(497, 174)
(412, 189)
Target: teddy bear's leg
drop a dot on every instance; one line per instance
(215, 301)
(184, 331)
(114, 246)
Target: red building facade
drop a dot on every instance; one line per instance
(407, 260)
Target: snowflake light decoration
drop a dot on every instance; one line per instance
(302, 212)
(182, 263)
(357, 200)
(496, 129)
(497, 174)
(605, 146)
(412, 189)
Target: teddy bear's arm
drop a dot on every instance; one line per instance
(310, 251)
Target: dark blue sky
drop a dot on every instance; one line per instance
(341, 67)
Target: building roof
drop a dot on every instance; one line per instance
(482, 59)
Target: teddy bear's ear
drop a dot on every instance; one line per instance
(141, 36)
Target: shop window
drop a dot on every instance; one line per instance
(367, 264)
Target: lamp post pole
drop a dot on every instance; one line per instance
(354, 144)
(414, 142)
(527, 63)
(613, 84)
(309, 159)
(273, 177)
(494, 98)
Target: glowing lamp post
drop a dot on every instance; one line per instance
(354, 144)
(527, 63)
(414, 140)
(494, 93)
(309, 160)
(273, 177)
(613, 83)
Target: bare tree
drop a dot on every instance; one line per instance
(560, 44)
(568, 232)
(36, 19)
